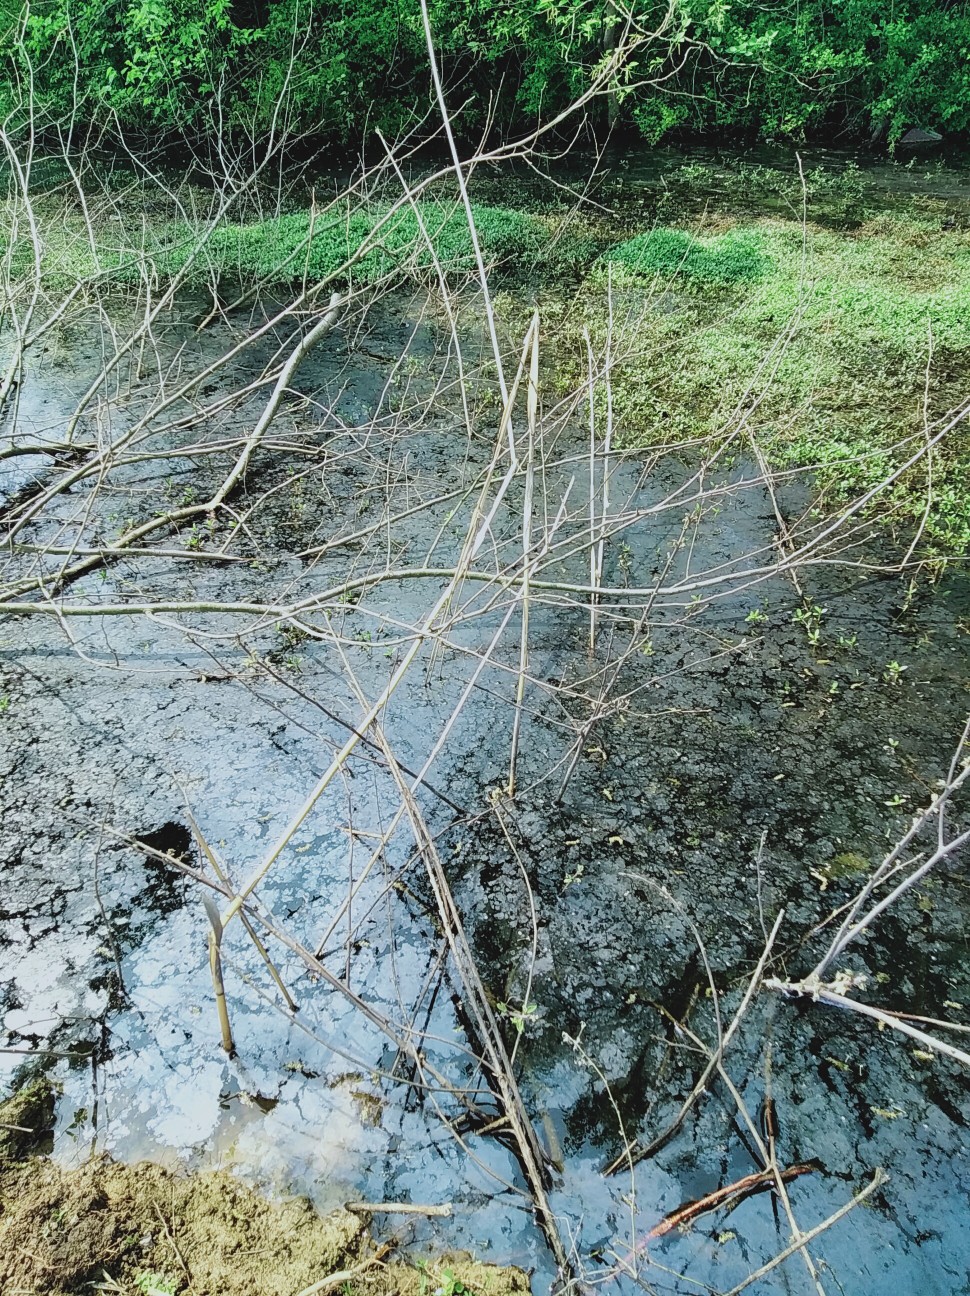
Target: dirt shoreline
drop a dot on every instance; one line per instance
(141, 1228)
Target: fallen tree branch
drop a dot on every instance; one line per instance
(878, 1179)
(830, 993)
(741, 1188)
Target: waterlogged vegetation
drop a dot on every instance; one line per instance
(851, 344)
(848, 340)
(844, 326)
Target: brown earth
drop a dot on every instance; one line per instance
(143, 1231)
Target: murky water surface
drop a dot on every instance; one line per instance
(735, 770)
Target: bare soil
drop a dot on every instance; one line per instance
(143, 1229)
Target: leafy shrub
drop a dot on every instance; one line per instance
(755, 68)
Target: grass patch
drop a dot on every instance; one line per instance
(735, 257)
(371, 245)
(365, 246)
(824, 335)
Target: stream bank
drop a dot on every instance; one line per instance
(118, 1228)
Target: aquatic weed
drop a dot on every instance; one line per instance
(735, 257)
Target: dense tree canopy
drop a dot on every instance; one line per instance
(774, 69)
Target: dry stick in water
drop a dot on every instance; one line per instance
(400, 1037)
(828, 994)
(816, 988)
(593, 582)
(852, 925)
(766, 1151)
(174, 516)
(441, 1210)
(287, 373)
(597, 524)
(496, 1058)
(765, 1147)
(102, 455)
(742, 1188)
(497, 1061)
(421, 778)
(717, 579)
(532, 405)
(635, 1154)
(608, 437)
(478, 530)
(261, 949)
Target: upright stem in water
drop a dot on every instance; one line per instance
(532, 408)
(215, 967)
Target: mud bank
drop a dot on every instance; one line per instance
(141, 1228)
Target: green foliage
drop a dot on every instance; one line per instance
(758, 68)
(736, 257)
(155, 1284)
(149, 63)
(824, 336)
(658, 115)
(336, 71)
(519, 1017)
(442, 1283)
(778, 70)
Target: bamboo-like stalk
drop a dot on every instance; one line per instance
(591, 387)
(214, 919)
(215, 967)
(532, 408)
(608, 436)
